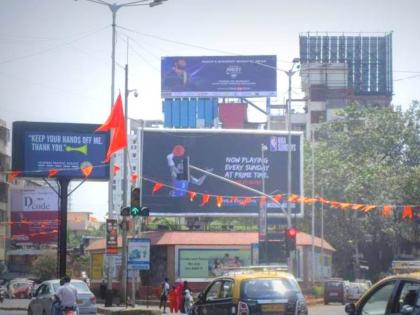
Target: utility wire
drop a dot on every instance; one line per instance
(48, 49)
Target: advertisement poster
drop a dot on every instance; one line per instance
(139, 254)
(67, 148)
(97, 266)
(219, 76)
(111, 237)
(34, 215)
(209, 263)
(233, 155)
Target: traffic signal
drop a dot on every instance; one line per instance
(139, 211)
(135, 198)
(125, 211)
(291, 234)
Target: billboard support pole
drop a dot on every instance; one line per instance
(288, 216)
(62, 239)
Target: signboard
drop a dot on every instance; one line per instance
(232, 154)
(34, 213)
(202, 263)
(111, 237)
(219, 76)
(68, 148)
(139, 254)
(97, 266)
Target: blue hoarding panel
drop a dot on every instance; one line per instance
(192, 113)
(208, 113)
(167, 113)
(184, 113)
(68, 148)
(219, 76)
(176, 115)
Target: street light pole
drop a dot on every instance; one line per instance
(114, 9)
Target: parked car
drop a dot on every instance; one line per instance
(20, 288)
(336, 291)
(251, 293)
(398, 294)
(356, 290)
(44, 296)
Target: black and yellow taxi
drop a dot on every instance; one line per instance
(394, 295)
(252, 292)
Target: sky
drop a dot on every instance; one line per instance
(55, 55)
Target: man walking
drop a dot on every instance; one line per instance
(164, 294)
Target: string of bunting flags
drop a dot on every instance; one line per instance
(386, 210)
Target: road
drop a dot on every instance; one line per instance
(313, 310)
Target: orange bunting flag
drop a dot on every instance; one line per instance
(357, 206)
(134, 177)
(407, 212)
(233, 198)
(246, 201)
(115, 122)
(192, 195)
(52, 172)
(293, 198)
(277, 198)
(368, 208)
(116, 168)
(345, 205)
(219, 201)
(204, 199)
(157, 187)
(387, 211)
(12, 175)
(87, 170)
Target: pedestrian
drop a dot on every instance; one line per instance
(102, 289)
(172, 303)
(186, 292)
(188, 300)
(164, 294)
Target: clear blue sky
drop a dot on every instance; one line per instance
(55, 55)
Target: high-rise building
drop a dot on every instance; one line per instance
(4, 188)
(339, 69)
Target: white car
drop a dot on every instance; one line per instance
(44, 296)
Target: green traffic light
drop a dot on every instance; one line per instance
(135, 211)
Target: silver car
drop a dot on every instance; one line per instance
(44, 296)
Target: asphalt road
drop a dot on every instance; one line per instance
(13, 312)
(337, 309)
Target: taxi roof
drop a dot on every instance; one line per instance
(255, 274)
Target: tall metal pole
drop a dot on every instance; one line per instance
(124, 203)
(313, 209)
(263, 214)
(322, 229)
(289, 144)
(62, 239)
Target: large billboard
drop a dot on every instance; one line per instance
(203, 263)
(219, 76)
(34, 215)
(68, 148)
(232, 154)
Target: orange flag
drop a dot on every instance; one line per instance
(157, 187)
(408, 212)
(205, 199)
(219, 201)
(277, 198)
(192, 195)
(52, 172)
(115, 122)
(12, 175)
(116, 169)
(387, 211)
(134, 177)
(87, 170)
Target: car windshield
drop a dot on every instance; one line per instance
(334, 284)
(267, 288)
(81, 287)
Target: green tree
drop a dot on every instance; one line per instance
(45, 266)
(369, 156)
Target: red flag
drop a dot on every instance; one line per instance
(12, 175)
(277, 198)
(116, 169)
(134, 177)
(204, 199)
(87, 170)
(408, 212)
(157, 187)
(52, 172)
(116, 122)
(219, 201)
(192, 195)
(387, 211)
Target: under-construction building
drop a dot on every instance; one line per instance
(338, 69)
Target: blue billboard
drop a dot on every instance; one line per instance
(219, 76)
(67, 148)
